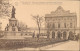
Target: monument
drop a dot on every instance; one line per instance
(13, 24)
(12, 29)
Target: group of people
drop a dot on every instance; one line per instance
(33, 36)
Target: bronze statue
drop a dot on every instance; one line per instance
(13, 12)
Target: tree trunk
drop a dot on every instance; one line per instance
(39, 31)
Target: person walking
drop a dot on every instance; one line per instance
(33, 35)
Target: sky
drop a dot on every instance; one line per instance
(26, 8)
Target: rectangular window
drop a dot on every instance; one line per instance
(53, 26)
(58, 25)
(70, 25)
(65, 25)
(48, 25)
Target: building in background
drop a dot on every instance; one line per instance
(61, 24)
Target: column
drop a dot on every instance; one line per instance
(62, 35)
(67, 35)
(50, 36)
(55, 34)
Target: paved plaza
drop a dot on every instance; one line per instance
(71, 46)
(63, 46)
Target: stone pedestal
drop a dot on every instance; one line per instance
(13, 35)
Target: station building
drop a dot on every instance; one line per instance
(60, 24)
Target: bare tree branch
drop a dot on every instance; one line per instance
(39, 21)
(22, 26)
(5, 8)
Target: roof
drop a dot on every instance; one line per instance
(60, 12)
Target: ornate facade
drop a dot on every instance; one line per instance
(60, 23)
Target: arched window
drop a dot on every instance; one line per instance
(59, 35)
(71, 35)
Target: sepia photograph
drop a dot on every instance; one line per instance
(39, 25)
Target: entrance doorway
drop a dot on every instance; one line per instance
(71, 36)
(59, 35)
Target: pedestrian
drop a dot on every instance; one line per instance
(37, 35)
(33, 35)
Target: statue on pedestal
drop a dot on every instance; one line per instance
(13, 12)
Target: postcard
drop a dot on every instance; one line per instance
(39, 25)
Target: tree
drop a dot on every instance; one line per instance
(22, 26)
(39, 20)
(5, 8)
